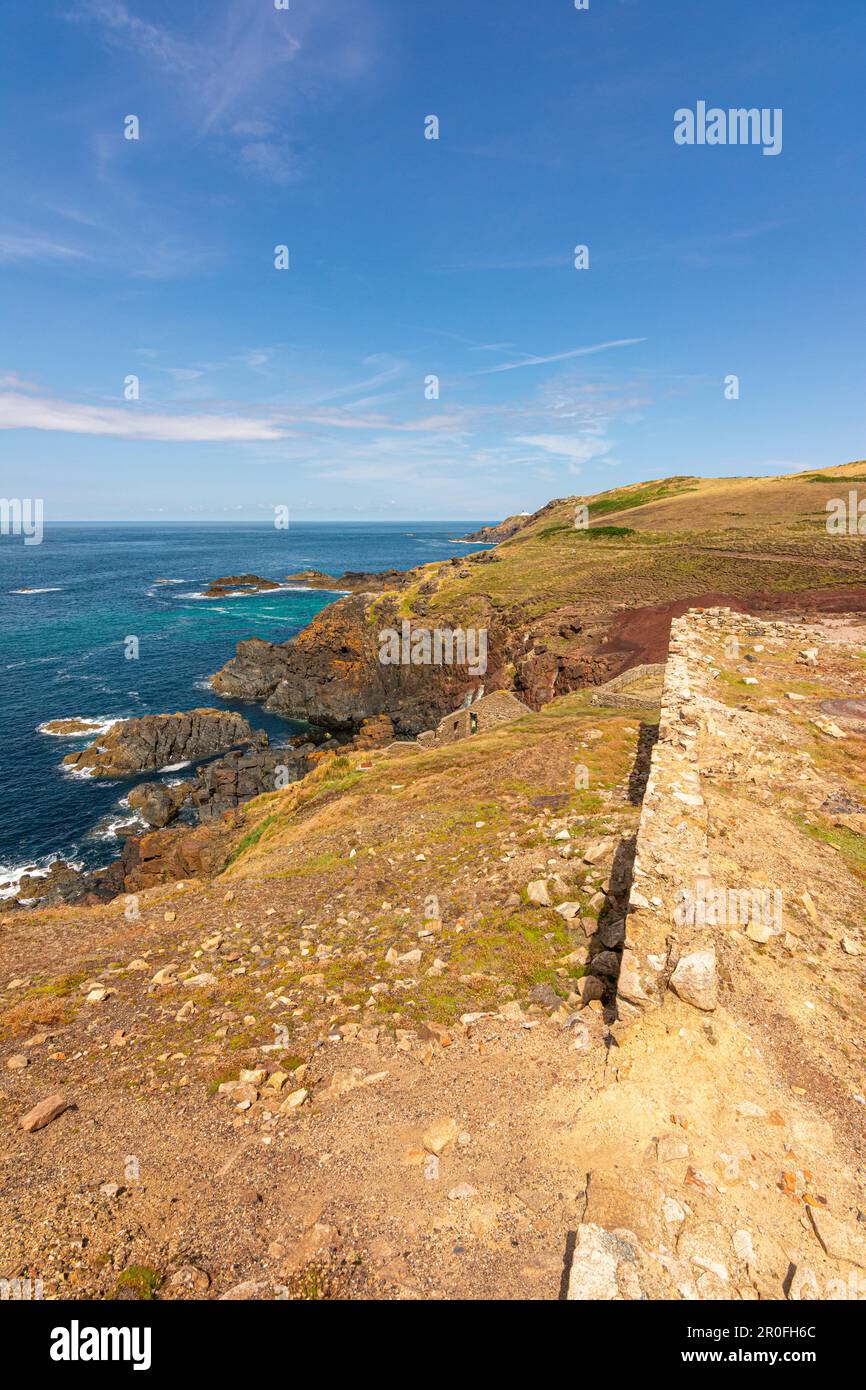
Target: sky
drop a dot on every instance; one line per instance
(413, 258)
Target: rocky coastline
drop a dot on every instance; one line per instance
(185, 822)
(329, 676)
(331, 672)
(158, 741)
(500, 531)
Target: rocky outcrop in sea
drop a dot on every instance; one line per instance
(161, 740)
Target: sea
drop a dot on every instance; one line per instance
(64, 645)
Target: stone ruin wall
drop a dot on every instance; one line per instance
(699, 737)
(617, 693)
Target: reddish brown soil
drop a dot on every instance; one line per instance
(642, 634)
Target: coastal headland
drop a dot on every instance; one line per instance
(568, 1005)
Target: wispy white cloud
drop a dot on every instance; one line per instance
(40, 413)
(221, 424)
(385, 432)
(26, 246)
(271, 159)
(233, 72)
(577, 451)
(390, 371)
(182, 374)
(122, 27)
(528, 360)
(11, 381)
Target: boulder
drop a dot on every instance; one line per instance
(156, 803)
(43, 1113)
(244, 773)
(160, 740)
(63, 883)
(695, 979)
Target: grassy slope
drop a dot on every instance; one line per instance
(439, 823)
(326, 878)
(687, 535)
(360, 848)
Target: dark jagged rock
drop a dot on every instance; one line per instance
(166, 852)
(502, 531)
(239, 583)
(331, 672)
(156, 803)
(241, 775)
(160, 740)
(352, 581)
(62, 884)
(374, 733)
(163, 856)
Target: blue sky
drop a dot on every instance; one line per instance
(411, 257)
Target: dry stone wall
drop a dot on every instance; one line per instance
(617, 693)
(700, 737)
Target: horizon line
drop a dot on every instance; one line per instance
(267, 525)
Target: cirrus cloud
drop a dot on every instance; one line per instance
(19, 412)
(576, 451)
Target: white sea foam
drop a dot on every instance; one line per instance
(36, 591)
(175, 767)
(95, 727)
(11, 876)
(261, 593)
(33, 661)
(111, 830)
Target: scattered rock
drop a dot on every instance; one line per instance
(539, 893)
(440, 1135)
(695, 979)
(758, 933)
(247, 1291)
(190, 1282)
(839, 1241)
(671, 1149)
(599, 1257)
(43, 1113)
(462, 1191)
(293, 1100)
(569, 911)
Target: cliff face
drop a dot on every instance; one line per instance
(331, 672)
(501, 531)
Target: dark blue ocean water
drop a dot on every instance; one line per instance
(62, 651)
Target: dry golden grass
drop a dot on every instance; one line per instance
(659, 541)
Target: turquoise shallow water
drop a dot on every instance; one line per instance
(62, 651)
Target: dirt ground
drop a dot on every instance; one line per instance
(418, 1102)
